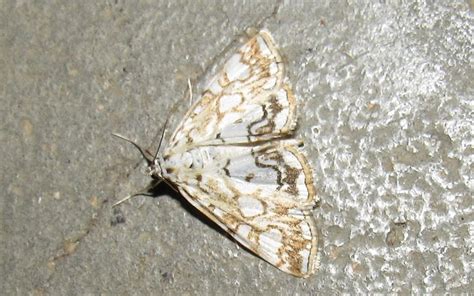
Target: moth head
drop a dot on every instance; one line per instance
(155, 169)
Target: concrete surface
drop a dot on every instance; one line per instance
(386, 109)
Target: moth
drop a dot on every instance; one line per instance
(233, 157)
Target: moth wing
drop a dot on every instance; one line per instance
(246, 101)
(262, 196)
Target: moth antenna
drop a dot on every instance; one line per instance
(161, 141)
(144, 153)
(144, 191)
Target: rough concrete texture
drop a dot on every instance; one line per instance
(385, 96)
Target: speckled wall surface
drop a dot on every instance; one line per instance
(385, 98)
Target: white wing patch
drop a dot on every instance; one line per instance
(231, 158)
